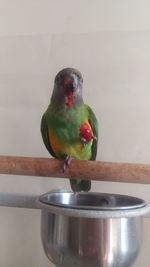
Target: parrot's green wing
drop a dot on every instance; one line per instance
(44, 132)
(94, 125)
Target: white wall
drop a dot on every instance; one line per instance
(109, 42)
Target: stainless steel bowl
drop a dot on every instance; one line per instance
(91, 229)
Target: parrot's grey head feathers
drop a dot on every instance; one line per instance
(67, 88)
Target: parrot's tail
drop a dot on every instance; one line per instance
(80, 185)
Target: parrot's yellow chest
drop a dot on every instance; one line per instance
(74, 148)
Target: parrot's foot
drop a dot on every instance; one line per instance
(67, 162)
(94, 138)
(85, 142)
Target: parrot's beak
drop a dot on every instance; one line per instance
(69, 86)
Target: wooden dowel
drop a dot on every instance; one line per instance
(90, 170)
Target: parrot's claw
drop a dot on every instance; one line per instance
(94, 138)
(67, 162)
(83, 141)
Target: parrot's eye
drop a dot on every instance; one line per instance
(57, 79)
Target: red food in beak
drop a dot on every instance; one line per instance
(69, 99)
(69, 93)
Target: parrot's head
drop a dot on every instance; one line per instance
(68, 88)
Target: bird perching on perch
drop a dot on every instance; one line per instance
(69, 127)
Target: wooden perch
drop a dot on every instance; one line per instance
(90, 170)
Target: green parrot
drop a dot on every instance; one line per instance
(69, 127)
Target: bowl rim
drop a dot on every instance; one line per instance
(93, 211)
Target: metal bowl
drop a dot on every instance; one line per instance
(91, 229)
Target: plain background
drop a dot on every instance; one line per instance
(109, 42)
